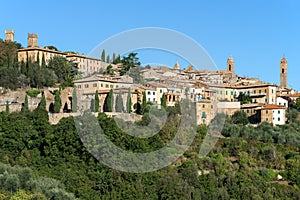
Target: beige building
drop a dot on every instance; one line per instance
(206, 111)
(228, 108)
(9, 35)
(86, 65)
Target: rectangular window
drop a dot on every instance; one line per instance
(149, 93)
(79, 86)
(278, 111)
(267, 111)
(153, 99)
(106, 85)
(160, 91)
(265, 90)
(153, 93)
(259, 91)
(254, 91)
(203, 114)
(148, 99)
(86, 85)
(111, 86)
(221, 92)
(95, 85)
(231, 92)
(226, 92)
(211, 106)
(267, 119)
(203, 105)
(272, 91)
(279, 119)
(101, 84)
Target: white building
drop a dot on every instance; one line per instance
(282, 102)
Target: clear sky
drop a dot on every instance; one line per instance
(256, 33)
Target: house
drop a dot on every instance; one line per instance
(274, 114)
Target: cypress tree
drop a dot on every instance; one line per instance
(74, 100)
(119, 103)
(43, 61)
(42, 104)
(96, 101)
(109, 102)
(25, 106)
(107, 59)
(7, 107)
(57, 102)
(164, 101)
(103, 55)
(144, 103)
(128, 102)
(23, 68)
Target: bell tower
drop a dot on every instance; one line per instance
(230, 64)
(283, 73)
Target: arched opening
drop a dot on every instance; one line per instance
(66, 109)
(51, 108)
(229, 67)
(282, 71)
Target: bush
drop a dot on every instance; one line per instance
(33, 93)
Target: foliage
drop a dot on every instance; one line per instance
(297, 104)
(33, 93)
(244, 98)
(103, 55)
(42, 104)
(96, 101)
(50, 161)
(109, 102)
(119, 103)
(74, 100)
(240, 117)
(163, 101)
(57, 101)
(129, 62)
(25, 107)
(129, 101)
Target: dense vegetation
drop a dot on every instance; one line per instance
(14, 74)
(50, 161)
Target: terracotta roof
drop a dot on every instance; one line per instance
(272, 107)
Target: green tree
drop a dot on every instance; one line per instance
(244, 98)
(42, 104)
(129, 62)
(119, 103)
(38, 58)
(297, 104)
(7, 107)
(64, 70)
(164, 101)
(43, 61)
(96, 101)
(25, 105)
(107, 59)
(103, 55)
(109, 102)
(57, 102)
(74, 100)
(240, 117)
(129, 101)
(144, 103)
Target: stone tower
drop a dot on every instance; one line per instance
(32, 40)
(9, 35)
(283, 73)
(230, 64)
(177, 66)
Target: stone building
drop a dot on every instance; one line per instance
(9, 35)
(283, 73)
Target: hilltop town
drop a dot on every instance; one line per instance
(219, 91)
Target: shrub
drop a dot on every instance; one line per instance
(33, 93)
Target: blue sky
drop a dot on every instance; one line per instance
(256, 33)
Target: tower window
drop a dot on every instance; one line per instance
(229, 67)
(282, 71)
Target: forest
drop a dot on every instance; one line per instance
(43, 161)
